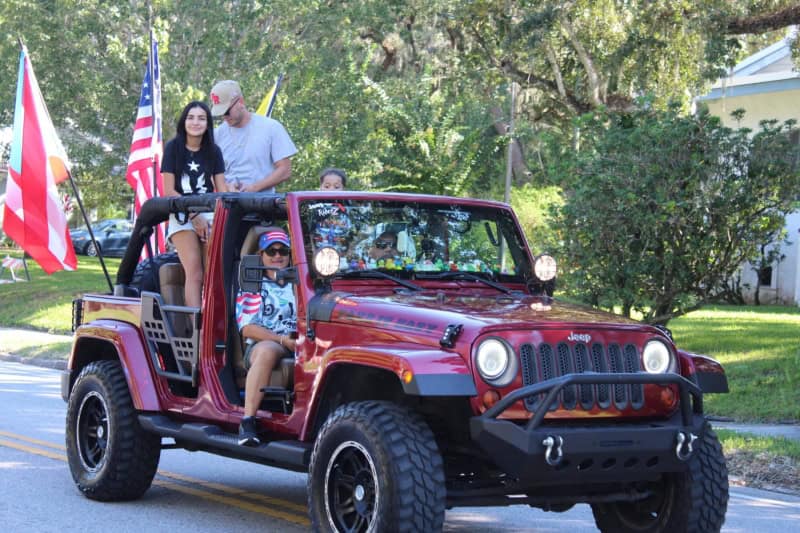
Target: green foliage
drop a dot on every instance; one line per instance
(534, 207)
(661, 209)
(405, 95)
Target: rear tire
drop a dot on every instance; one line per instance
(146, 277)
(376, 467)
(110, 456)
(695, 500)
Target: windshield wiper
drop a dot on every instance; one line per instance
(354, 274)
(463, 275)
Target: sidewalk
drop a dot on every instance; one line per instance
(14, 339)
(788, 431)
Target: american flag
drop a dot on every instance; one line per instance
(146, 149)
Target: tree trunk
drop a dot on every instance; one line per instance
(519, 167)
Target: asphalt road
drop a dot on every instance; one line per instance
(197, 492)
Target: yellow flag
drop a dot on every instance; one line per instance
(269, 100)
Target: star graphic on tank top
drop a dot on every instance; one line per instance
(193, 166)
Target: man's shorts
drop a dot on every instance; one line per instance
(249, 347)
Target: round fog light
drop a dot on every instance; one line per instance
(326, 261)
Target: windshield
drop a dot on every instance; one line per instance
(417, 240)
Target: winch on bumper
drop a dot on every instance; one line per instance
(600, 451)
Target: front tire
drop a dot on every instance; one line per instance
(376, 467)
(110, 456)
(695, 500)
(91, 250)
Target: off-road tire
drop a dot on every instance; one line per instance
(693, 501)
(391, 454)
(110, 456)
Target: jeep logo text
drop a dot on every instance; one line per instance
(579, 337)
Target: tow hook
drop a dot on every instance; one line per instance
(683, 449)
(553, 454)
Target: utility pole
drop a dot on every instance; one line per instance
(509, 168)
(509, 157)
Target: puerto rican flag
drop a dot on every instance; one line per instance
(144, 162)
(34, 213)
(248, 305)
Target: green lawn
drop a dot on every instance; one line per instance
(760, 350)
(45, 303)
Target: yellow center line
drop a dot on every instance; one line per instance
(32, 440)
(233, 490)
(30, 449)
(227, 500)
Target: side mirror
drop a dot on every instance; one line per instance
(252, 271)
(286, 275)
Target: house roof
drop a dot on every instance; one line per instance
(768, 70)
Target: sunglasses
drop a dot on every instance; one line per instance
(380, 244)
(228, 112)
(272, 252)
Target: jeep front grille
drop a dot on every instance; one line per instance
(545, 361)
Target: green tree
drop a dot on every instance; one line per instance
(662, 208)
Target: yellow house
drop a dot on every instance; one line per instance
(767, 86)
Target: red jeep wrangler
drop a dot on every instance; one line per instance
(431, 372)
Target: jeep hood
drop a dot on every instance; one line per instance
(434, 311)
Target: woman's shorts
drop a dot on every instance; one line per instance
(175, 226)
(249, 348)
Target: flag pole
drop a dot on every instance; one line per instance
(152, 71)
(89, 227)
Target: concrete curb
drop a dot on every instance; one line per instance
(46, 363)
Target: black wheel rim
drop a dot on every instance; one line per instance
(644, 514)
(351, 489)
(92, 432)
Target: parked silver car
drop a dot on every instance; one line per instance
(112, 237)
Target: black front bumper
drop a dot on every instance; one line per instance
(595, 451)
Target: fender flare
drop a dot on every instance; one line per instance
(420, 371)
(124, 342)
(706, 372)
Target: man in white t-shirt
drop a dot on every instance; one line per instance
(256, 149)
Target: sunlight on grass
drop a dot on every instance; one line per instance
(53, 351)
(760, 350)
(733, 441)
(46, 301)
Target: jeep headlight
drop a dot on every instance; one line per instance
(657, 357)
(495, 362)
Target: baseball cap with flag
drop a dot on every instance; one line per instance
(223, 95)
(270, 237)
